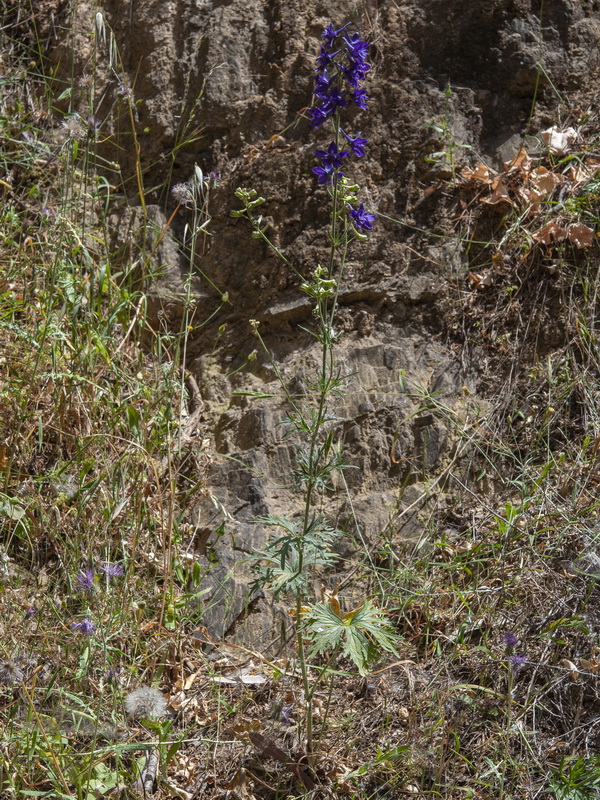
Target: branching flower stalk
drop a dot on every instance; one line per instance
(287, 562)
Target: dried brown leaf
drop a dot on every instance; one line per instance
(580, 235)
(551, 234)
(573, 671)
(499, 192)
(591, 666)
(544, 182)
(479, 281)
(559, 143)
(480, 173)
(579, 174)
(520, 162)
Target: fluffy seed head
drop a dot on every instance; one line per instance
(145, 703)
(10, 672)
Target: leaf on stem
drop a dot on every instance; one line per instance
(361, 634)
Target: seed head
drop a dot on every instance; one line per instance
(145, 703)
(10, 672)
(183, 194)
(73, 127)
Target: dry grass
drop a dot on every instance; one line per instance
(92, 420)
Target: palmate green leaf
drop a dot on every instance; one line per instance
(361, 635)
(284, 564)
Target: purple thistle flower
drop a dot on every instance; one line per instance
(517, 661)
(511, 640)
(183, 194)
(361, 218)
(93, 124)
(85, 580)
(86, 627)
(112, 570)
(357, 144)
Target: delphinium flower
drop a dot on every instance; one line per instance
(361, 218)
(341, 68)
(86, 627)
(357, 143)
(331, 160)
(511, 640)
(145, 703)
(85, 580)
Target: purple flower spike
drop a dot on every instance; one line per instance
(325, 58)
(337, 71)
(362, 218)
(511, 640)
(86, 627)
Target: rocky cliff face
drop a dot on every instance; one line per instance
(222, 84)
